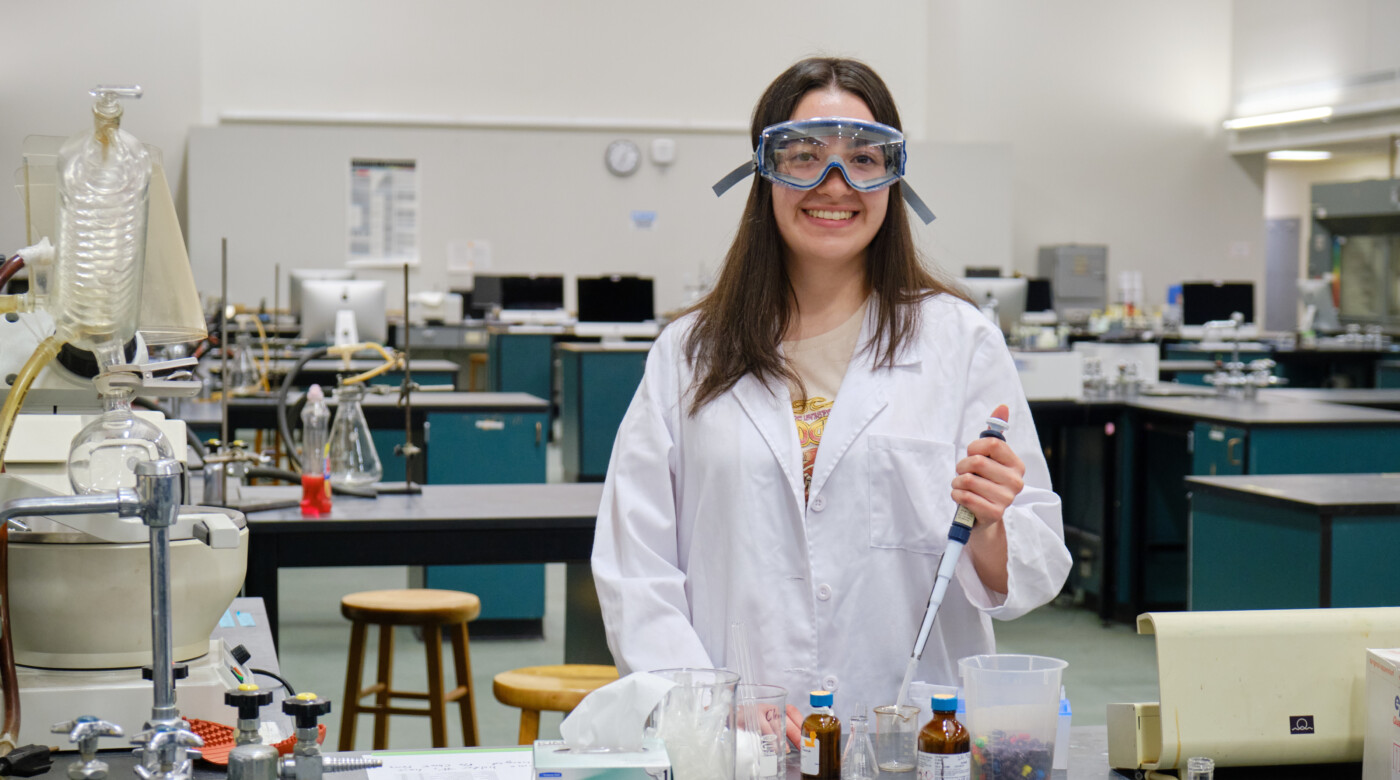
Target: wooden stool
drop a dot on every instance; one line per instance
(432, 610)
(553, 688)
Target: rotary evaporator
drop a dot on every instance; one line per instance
(107, 571)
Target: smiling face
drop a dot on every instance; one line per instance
(830, 225)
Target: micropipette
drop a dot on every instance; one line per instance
(958, 535)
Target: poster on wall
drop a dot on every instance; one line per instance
(382, 224)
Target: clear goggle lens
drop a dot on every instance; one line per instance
(800, 154)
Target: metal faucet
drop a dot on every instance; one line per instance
(85, 731)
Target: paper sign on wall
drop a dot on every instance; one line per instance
(382, 224)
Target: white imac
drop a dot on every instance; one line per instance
(299, 276)
(322, 300)
(1319, 308)
(1009, 294)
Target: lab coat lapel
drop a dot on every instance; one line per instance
(770, 410)
(863, 393)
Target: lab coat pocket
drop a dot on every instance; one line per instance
(910, 480)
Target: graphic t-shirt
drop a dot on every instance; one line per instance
(821, 362)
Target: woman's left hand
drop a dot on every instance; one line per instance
(989, 478)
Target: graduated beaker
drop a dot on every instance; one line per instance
(896, 737)
(761, 712)
(1013, 708)
(696, 721)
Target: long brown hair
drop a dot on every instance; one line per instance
(741, 322)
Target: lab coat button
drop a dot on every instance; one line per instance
(824, 592)
(818, 503)
(829, 682)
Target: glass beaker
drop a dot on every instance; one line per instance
(760, 750)
(896, 737)
(354, 461)
(696, 721)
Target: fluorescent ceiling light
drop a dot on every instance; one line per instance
(1298, 155)
(1283, 118)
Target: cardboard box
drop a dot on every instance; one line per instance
(1381, 759)
(555, 761)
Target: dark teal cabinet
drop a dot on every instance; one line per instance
(597, 387)
(520, 363)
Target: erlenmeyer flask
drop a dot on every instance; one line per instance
(858, 762)
(244, 378)
(354, 462)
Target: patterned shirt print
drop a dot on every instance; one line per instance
(811, 417)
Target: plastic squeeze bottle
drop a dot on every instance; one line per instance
(315, 421)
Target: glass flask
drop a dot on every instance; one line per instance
(105, 452)
(858, 762)
(354, 461)
(244, 378)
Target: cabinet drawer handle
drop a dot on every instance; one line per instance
(491, 425)
(539, 433)
(1230, 451)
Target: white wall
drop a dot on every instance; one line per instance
(1111, 109)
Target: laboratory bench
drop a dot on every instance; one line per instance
(443, 525)
(1164, 440)
(1294, 541)
(425, 371)
(1388, 373)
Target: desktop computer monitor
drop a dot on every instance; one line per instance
(1010, 295)
(1202, 302)
(322, 299)
(516, 293)
(615, 299)
(298, 276)
(1039, 296)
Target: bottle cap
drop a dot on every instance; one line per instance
(822, 698)
(945, 702)
(315, 394)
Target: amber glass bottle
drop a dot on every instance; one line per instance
(945, 747)
(821, 740)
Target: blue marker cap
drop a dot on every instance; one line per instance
(822, 698)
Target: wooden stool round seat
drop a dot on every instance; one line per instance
(553, 688)
(434, 611)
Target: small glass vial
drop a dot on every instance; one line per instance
(821, 740)
(858, 761)
(945, 747)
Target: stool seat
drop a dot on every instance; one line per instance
(435, 612)
(411, 607)
(554, 688)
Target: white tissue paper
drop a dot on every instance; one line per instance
(614, 716)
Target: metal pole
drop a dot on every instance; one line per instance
(158, 490)
(223, 343)
(409, 449)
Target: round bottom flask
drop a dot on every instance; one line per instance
(105, 452)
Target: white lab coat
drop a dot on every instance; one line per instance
(703, 521)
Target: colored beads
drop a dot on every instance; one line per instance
(1003, 756)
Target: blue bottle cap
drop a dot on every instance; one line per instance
(945, 702)
(822, 698)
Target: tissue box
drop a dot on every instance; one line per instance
(555, 761)
(1381, 759)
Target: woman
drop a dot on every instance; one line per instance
(787, 459)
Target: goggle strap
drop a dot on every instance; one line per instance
(916, 203)
(734, 177)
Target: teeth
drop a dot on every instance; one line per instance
(820, 214)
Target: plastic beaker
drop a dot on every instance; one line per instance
(696, 721)
(1013, 705)
(896, 737)
(759, 751)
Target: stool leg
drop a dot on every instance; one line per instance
(385, 678)
(437, 708)
(529, 726)
(354, 672)
(461, 658)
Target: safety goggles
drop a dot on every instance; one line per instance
(800, 154)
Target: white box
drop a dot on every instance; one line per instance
(1381, 759)
(555, 761)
